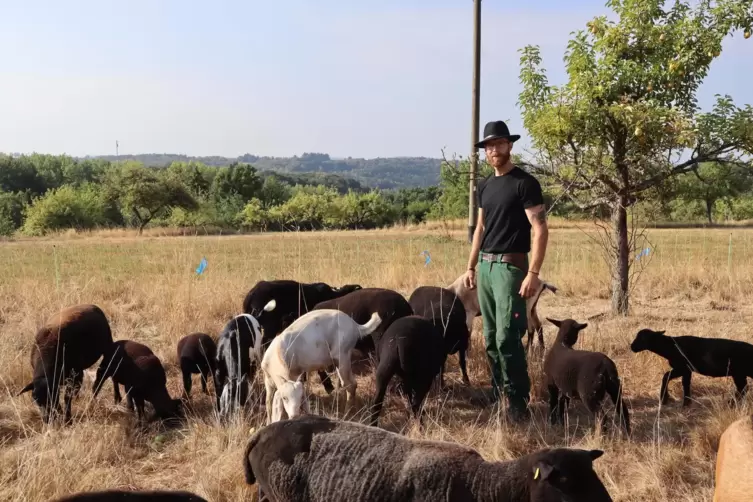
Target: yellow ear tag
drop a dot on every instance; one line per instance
(536, 474)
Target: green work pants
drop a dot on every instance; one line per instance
(504, 314)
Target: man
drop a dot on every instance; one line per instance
(510, 206)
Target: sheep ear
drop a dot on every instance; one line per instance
(269, 307)
(554, 321)
(542, 471)
(27, 388)
(594, 454)
(300, 377)
(660, 332)
(580, 326)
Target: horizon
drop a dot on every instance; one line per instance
(373, 80)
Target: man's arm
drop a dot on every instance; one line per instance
(537, 216)
(476, 244)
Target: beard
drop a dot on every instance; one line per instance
(500, 160)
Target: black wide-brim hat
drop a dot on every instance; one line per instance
(496, 130)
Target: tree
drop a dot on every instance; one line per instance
(627, 120)
(146, 194)
(714, 181)
(241, 179)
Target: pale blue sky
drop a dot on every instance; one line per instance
(361, 78)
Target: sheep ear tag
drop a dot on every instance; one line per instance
(542, 471)
(536, 474)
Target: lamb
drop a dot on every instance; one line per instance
(580, 374)
(133, 496)
(445, 309)
(413, 347)
(359, 305)
(197, 353)
(135, 366)
(734, 461)
(67, 344)
(234, 368)
(275, 304)
(469, 297)
(314, 341)
(312, 458)
(713, 357)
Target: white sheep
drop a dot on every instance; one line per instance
(315, 341)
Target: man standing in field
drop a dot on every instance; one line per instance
(510, 205)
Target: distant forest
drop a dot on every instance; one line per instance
(384, 173)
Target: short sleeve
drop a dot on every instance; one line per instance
(530, 192)
(479, 188)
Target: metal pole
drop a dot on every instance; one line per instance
(475, 118)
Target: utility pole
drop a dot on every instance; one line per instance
(475, 118)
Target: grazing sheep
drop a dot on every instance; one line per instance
(413, 348)
(234, 368)
(316, 340)
(197, 353)
(713, 357)
(133, 496)
(445, 309)
(469, 297)
(734, 462)
(135, 366)
(276, 304)
(580, 374)
(69, 342)
(316, 459)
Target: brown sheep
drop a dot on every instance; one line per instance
(132, 496)
(135, 366)
(734, 463)
(197, 353)
(67, 344)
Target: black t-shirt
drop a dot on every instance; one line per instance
(504, 200)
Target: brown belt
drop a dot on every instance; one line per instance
(519, 260)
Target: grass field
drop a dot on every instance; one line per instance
(150, 292)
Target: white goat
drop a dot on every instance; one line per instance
(314, 341)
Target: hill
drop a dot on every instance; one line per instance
(381, 172)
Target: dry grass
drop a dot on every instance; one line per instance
(149, 290)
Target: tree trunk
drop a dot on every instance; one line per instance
(620, 267)
(709, 210)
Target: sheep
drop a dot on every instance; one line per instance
(234, 368)
(733, 463)
(312, 458)
(133, 496)
(413, 347)
(713, 357)
(580, 374)
(469, 297)
(197, 353)
(275, 304)
(68, 343)
(316, 340)
(444, 308)
(135, 366)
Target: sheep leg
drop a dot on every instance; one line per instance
(204, 377)
(621, 411)
(270, 391)
(186, 382)
(74, 385)
(686, 388)
(220, 374)
(741, 385)
(346, 378)
(417, 399)
(384, 374)
(116, 391)
(669, 375)
(326, 381)
(463, 367)
(441, 376)
(139, 402)
(562, 405)
(553, 404)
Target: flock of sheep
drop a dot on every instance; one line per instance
(290, 329)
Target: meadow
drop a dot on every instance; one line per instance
(698, 281)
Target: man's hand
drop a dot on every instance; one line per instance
(469, 279)
(530, 285)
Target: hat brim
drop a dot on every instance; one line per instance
(512, 138)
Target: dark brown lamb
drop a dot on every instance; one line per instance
(312, 458)
(580, 374)
(69, 342)
(132, 496)
(197, 353)
(135, 366)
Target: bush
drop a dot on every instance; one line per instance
(68, 207)
(11, 212)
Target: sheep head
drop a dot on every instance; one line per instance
(644, 339)
(290, 397)
(568, 330)
(40, 393)
(566, 474)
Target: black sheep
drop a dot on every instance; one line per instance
(445, 309)
(413, 349)
(69, 342)
(197, 353)
(132, 496)
(291, 298)
(360, 305)
(311, 458)
(135, 366)
(713, 357)
(234, 368)
(581, 374)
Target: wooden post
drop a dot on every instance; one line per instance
(475, 117)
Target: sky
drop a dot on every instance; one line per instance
(360, 78)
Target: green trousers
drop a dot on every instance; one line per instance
(504, 315)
